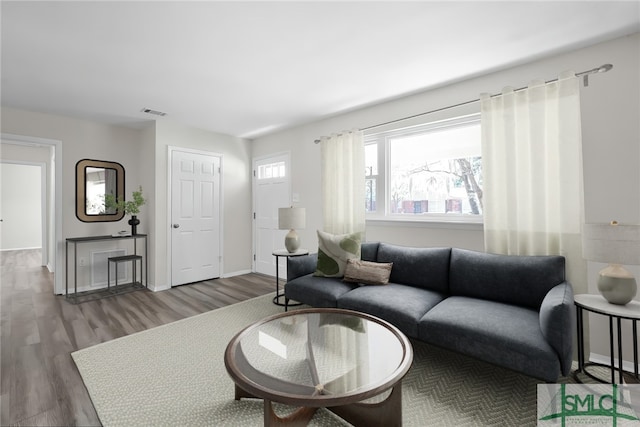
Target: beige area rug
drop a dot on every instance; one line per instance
(174, 375)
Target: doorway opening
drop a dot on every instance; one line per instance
(23, 207)
(23, 149)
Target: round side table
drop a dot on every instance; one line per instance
(286, 254)
(597, 304)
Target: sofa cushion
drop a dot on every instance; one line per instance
(369, 251)
(333, 252)
(401, 305)
(367, 272)
(520, 280)
(424, 267)
(498, 333)
(317, 291)
(301, 265)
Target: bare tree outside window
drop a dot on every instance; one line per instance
(465, 173)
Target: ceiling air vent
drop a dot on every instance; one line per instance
(154, 112)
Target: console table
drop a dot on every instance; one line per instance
(74, 241)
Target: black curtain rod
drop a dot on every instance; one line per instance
(584, 74)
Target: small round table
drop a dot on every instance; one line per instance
(597, 304)
(322, 358)
(284, 253)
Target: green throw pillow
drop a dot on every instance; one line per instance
(333, 252)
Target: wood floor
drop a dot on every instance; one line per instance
(40, 385)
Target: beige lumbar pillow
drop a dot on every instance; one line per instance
(333, 252)
(367, 272)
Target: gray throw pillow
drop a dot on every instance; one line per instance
(367, 272)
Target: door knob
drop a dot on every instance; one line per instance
(176, 225)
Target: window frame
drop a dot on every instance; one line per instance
(280, 166)
(381, 138)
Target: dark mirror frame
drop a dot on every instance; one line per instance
(81, 190)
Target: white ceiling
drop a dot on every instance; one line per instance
(249, 68)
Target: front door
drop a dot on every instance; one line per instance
(195, 217)
(271, 191)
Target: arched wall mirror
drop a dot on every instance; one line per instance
(94, 179)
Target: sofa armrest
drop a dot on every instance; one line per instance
(301, 265)
(557, 322)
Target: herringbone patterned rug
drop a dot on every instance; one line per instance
(175, 375)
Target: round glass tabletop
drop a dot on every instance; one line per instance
(313, 356)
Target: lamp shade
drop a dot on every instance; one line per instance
(291, 218)
(612, 243)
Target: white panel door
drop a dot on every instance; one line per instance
(195, 217)
(271, 191)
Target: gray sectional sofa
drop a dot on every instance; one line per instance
(512, 311)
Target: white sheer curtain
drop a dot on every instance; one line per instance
(343, 182)
(532, 167)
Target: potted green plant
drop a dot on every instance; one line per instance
(131, 207)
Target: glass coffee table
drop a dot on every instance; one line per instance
(322, 358)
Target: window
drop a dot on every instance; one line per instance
(271, 170)
(431, 171)
(371, 176)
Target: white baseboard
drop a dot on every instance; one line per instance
(235, 273)
(20, 249)
(606, 360)
(158, 288)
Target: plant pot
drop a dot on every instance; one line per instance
(133, 222)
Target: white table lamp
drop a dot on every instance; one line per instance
(617, 245)
(291, 219)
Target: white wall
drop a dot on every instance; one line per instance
(236, 195)
(611, 158)
(611, 147)
(80, 139)
(146, 169)
(20, 206)
(143, 153)
(610, 138)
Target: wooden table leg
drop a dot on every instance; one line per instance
(387, 413)
(240, 393)
(299, 418)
